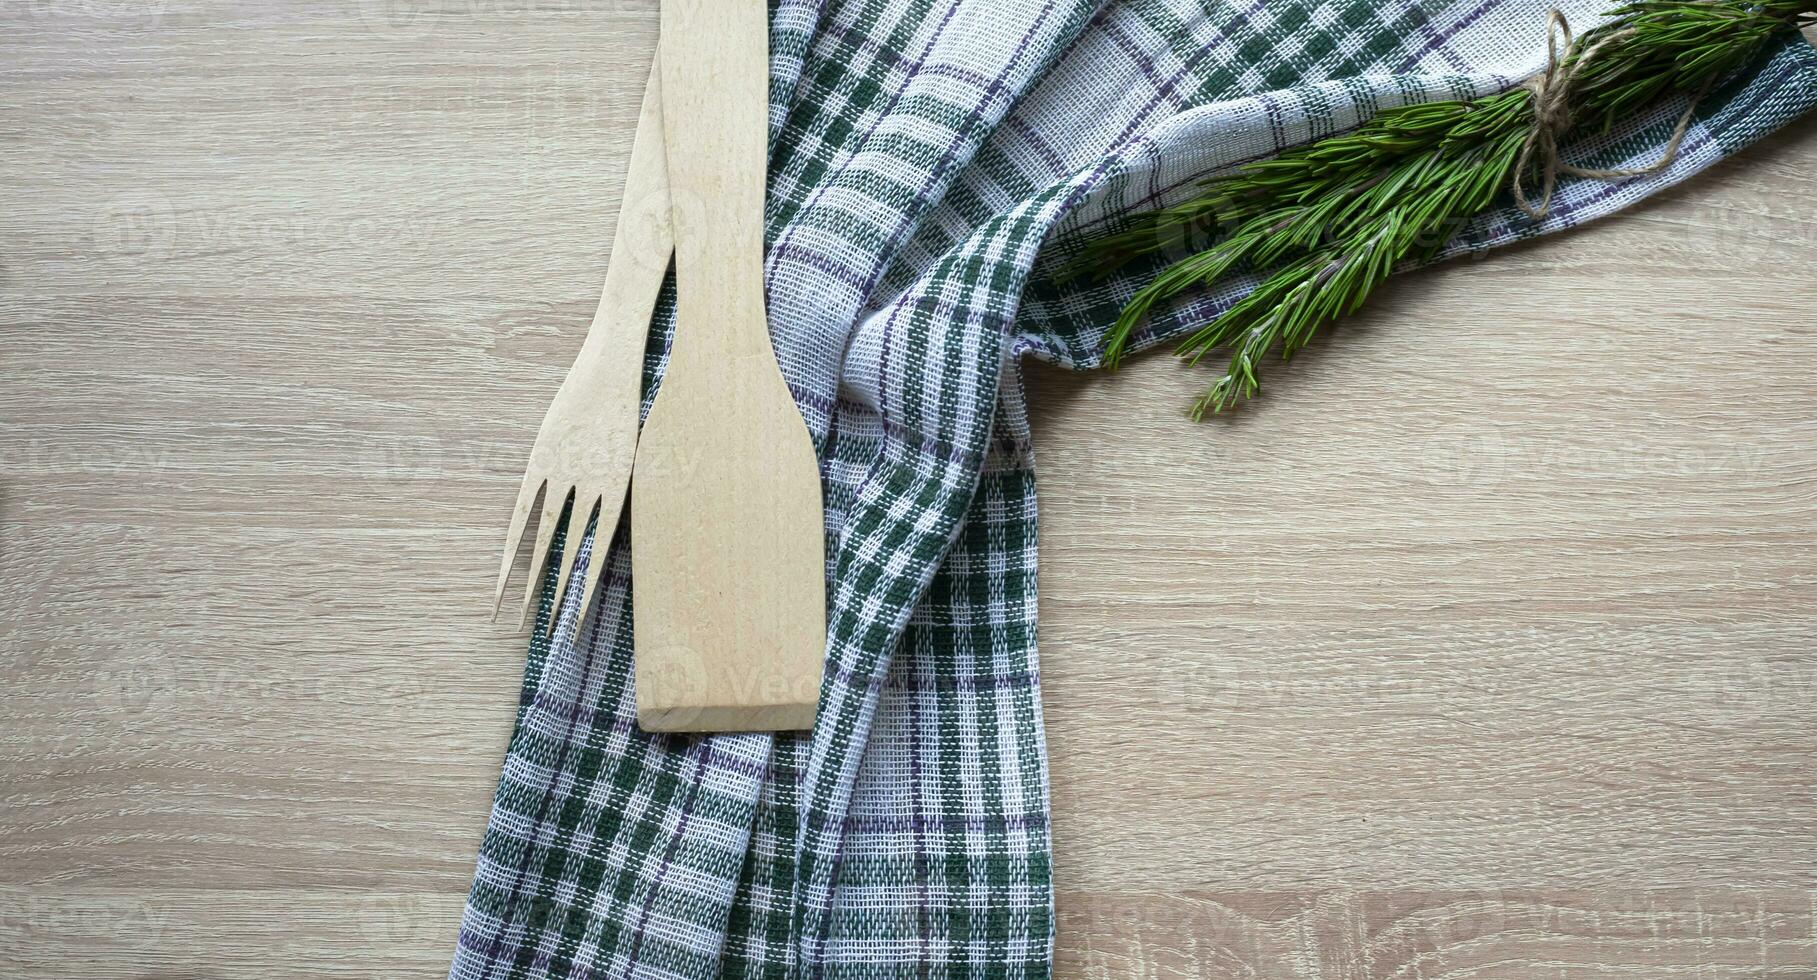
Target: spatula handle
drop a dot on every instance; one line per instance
(715, 84)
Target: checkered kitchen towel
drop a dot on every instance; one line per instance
(924, 152)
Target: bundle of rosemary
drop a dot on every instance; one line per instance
(1322, 225)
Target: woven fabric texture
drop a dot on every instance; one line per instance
(930, 162)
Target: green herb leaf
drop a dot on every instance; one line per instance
(1323, 224)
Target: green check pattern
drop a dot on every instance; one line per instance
(931, 164)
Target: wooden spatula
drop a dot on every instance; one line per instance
(729, 593)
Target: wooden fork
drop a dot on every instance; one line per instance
(588, 440)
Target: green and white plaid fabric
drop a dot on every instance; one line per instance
(924, 154)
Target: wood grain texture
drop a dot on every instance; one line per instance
(1481, 647)
(726, 511)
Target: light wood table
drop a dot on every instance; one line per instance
(1482, 647)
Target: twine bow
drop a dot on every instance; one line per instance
(1552, 88)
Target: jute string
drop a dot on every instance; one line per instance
(1552, 88)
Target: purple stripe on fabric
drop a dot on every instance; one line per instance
(923, 929)
(1564, 209)
(473, 942)
(1102, 169)
(923, 195)
(820, 939)
(818, 261)
(1042, 148)
(1439, 39)
(896, 61)
(976, 682)
(619, 725)
(1444, 37)
(1277, 127)
(542, 808)
(988, 88)
(895, 99)
(668, 861)
(905, 435)
(968, 823)
(1145, 60)
(1163, 88)
(816, 11)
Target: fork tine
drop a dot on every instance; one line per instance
(577, 527)
(553, 498)
(596, 564)
(520, 517)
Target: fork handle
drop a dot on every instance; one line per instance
(641, 245)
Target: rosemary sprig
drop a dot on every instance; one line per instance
(1323, 224)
